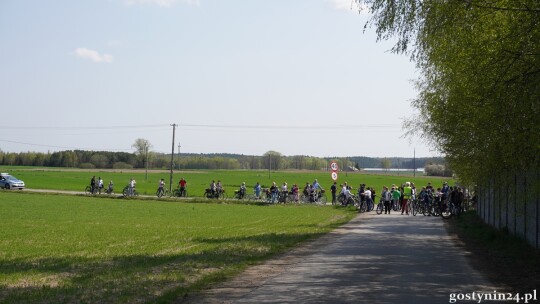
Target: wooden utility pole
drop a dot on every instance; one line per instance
(172, 158)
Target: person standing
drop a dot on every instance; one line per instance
(182, 185)
(93, 184)
(161, 185)
(387, 197)
(294, 191)
(274, 192)
(257, 190)
(131, 187)
(219, 187)
(333, 189)
(213, 188)
(407, 194)
(367, 197)
(395, 197)
(100, 184)
(110, 189)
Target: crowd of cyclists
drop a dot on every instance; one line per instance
(445, 200)
(406, 198)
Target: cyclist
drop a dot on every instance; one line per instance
(219, 187)
(424, 197)
(386, 196)
(294, 191)
(361, 193)
(395, 196)
(93, 184)
(100, 184)
(274, 192)
(345, 193)
(242, 191)
(438, 198)
(333, 189)
(317, 190)
(110, 189)
(161, 186)
(367, 197)
(445, 190)
(284, 193)
(131, 187)
(182, 185)
(213, 188)
(373, 195)
(257, 190)
(407, 194)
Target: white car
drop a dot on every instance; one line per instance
(10, 182)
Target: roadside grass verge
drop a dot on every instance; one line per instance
(505, 259)
(73, 249)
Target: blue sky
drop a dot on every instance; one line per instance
(293, 76)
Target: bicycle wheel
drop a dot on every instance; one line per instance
(446, 212)
(363, 207)
(435, 210)
(425, 210)
(88, 190)
(125, 191)
(380, 208)
(410, 207)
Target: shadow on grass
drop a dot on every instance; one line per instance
(136, 278)
(505, 258)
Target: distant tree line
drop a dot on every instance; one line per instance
(270, 160)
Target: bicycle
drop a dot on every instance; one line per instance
(89, 191)
(380, 207)
(162, 192)
(217, 194)
(395, 205)
(179, 192)
(239, 195)
(345, 200)
(412, 207)
(126, 193)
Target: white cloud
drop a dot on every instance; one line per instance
(161, 3)
(95, 56)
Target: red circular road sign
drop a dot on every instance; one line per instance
(334, 176)
(334, 166)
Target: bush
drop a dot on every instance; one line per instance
(437, 170)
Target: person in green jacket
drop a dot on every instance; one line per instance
(395, 197)
(407, 193)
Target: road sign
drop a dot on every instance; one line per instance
(334, 176)
(334, 166)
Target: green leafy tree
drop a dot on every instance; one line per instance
(142, 148)
(479, 89)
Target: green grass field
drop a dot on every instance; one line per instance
(75, 249)
(72, 249)
(199, 180)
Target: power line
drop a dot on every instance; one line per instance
(59, 147)
(82, 127)
(351, 127)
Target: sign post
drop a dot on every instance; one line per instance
(334, 166)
